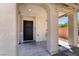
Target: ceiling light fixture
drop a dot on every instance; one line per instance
(29, 10)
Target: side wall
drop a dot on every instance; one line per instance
(41, 28)
(7, 29)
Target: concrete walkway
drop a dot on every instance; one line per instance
(39, 49)
(33, 49)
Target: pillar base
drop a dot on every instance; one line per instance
(53, 52)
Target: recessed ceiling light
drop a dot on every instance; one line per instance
(29, 10)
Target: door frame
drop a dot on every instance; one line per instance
(25, 29)
(34, 28)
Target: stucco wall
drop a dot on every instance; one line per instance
(41, 27)
(7, 29)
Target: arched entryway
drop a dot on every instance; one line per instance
(45, 17)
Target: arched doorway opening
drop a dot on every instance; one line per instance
(63, 25)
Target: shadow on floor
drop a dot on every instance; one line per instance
(74, 51)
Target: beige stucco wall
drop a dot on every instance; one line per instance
(41, 27)
(7, 29)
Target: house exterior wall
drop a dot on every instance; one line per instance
(8, 29)
(41, 27)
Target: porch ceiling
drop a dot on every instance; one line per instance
(40, 8)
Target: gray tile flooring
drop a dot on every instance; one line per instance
(39, 49)
(33, 49)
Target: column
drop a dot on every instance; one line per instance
(8, 29)
(52, 23)
(73, 31)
